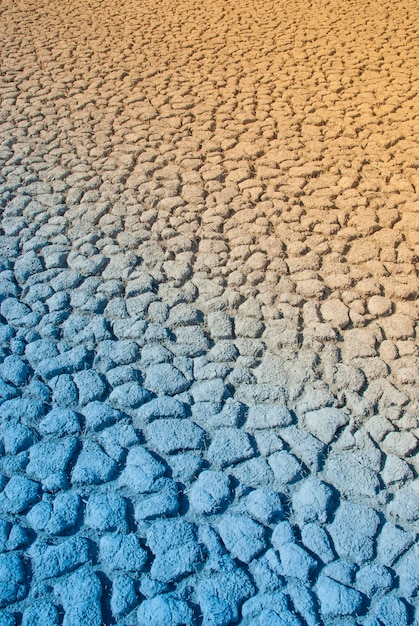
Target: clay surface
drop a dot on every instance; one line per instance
(209, 223)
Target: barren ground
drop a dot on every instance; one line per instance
(208, 299)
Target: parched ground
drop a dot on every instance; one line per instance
(208, 297)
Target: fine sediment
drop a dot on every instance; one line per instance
(208, 313)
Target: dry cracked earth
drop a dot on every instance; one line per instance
(208, 355)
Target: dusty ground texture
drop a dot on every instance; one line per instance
(208, 361)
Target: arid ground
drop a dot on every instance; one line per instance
(208, 313)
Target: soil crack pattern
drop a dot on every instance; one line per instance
(209, 223)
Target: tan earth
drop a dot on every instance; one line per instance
(234, 187)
